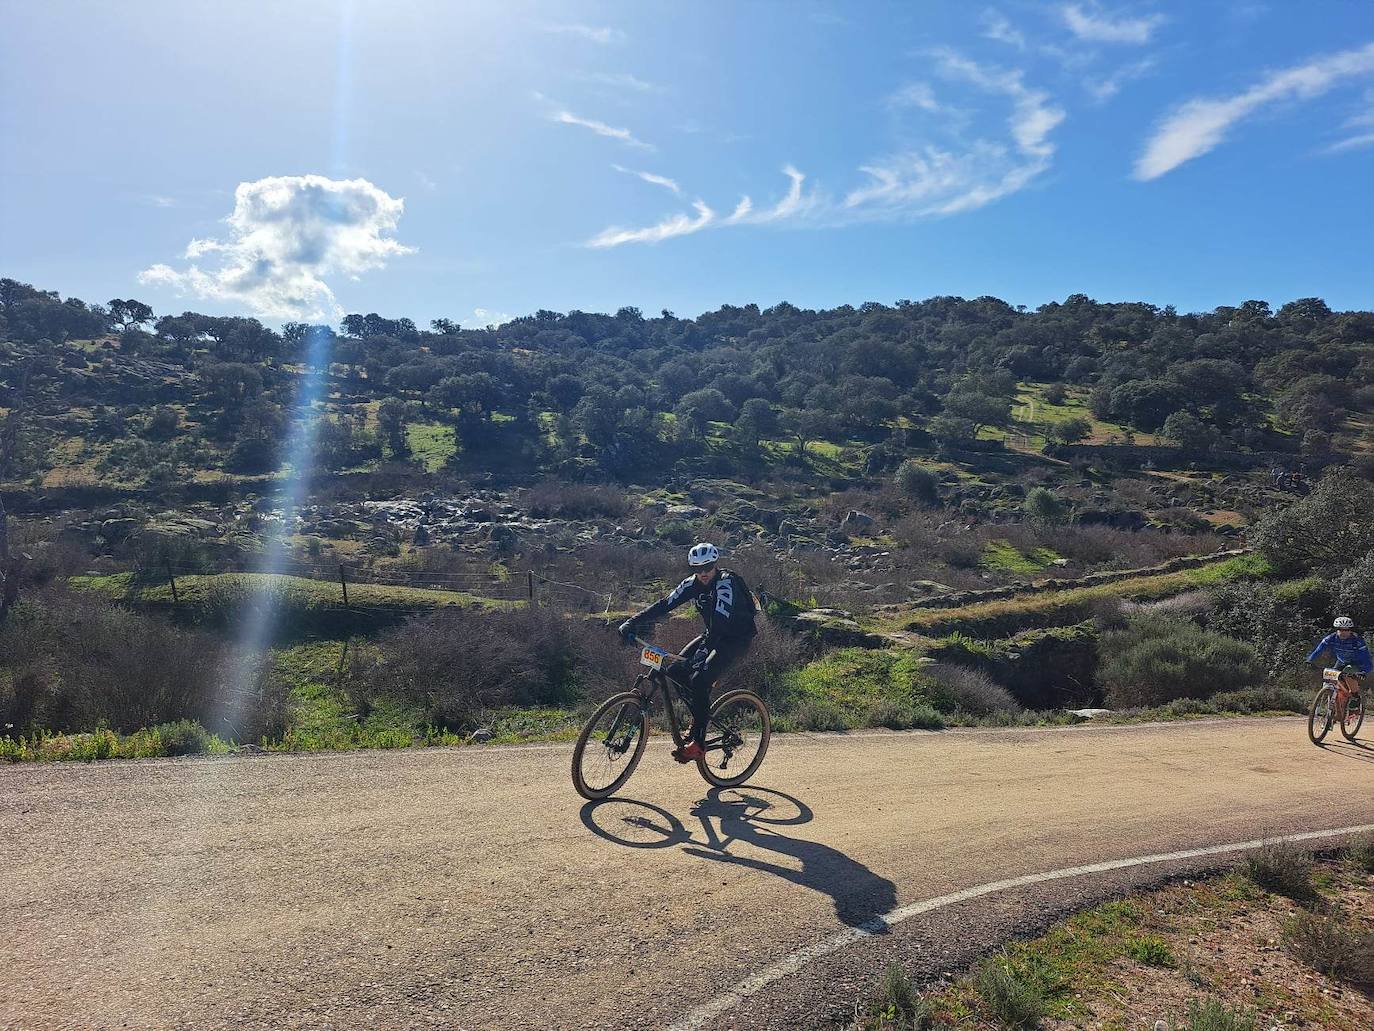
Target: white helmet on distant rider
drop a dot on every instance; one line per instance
(702, 554)
(1343, 623)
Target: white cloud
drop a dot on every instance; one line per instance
(997, 27)
(917, 95)
(1199, 125)
(680, 224)
(650, 177)
(484, 317)
(1104, 89)
(158, 200)
(1362, 123)
(286, 235)
(621, 81)
(600, 128)
(1094, 27)
(592, 33)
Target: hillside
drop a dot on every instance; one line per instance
(907, 472)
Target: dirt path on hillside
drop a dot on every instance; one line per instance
(472, 888)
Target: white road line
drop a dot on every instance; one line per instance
(789, 965)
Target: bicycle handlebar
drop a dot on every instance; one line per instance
(636, 640)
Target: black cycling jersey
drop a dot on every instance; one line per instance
(725, 605)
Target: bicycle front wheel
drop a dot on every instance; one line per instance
(1319, 719)
(610, 746)
(737, 736)
(1353, 717)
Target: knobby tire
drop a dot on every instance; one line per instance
(586, 790)
(765, 735)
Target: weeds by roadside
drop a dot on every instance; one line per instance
(1283, 868)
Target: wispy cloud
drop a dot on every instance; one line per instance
(915, 95)
(158, 200)
(929, 181)
(997, 27)
(674, 225)
(1362, 124)
(602, 34)
(1200, 125)
(650, 177)
(1093, 26)
(566, 117)
(1104, 88)
(287, 235)
(621, 81)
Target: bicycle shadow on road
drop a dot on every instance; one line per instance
(1357, 750)
(735, 817)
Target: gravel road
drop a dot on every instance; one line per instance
(471, 888)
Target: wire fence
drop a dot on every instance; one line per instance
(527, 587)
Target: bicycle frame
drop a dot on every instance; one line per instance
(658, 681)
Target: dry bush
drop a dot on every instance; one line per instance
(72, 662)
(457, 664)
(1283, 868)
(962, 689)
(557, 499)
(1333, 946)
(775, 652)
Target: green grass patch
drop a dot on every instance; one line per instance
(184, 737)
(432, 444)
(1003, 556)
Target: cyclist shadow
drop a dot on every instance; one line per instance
(732, 817)
(1357, 750)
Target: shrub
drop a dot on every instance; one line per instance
(1043, 508)
(1152, 951)
(184, 737)
(456, 664)
(815, 714)
(918, 483)
(1283, 868)
(560, 500)
(1362, 853)
(1011, 996)
(1157, 659)
(1319, 532)
(896, 1004)
(1354, 591)
(902, 714)
(1330, 945)
(73, 662)
(1271, 698)
(961, 689)
(1215, 1015)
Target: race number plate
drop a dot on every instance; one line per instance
(1331, 676)
(652, 657)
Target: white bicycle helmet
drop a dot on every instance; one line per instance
(703, 554)
(1342, 622)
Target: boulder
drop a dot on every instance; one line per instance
(686, 511)
(116, 530)
(855, 520)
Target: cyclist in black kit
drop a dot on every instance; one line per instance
(727, 608)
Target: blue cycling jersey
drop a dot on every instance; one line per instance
(1353, 650)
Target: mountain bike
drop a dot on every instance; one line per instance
(611, 744)
(1338, 699)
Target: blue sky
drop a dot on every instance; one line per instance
(475, 161)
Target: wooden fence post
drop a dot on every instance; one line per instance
(529, 585)
(173, 581)
(343, 582)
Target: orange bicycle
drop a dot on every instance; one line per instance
(1338, 699)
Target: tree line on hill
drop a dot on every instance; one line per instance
(623, 395)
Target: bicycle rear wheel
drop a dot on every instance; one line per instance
(737, 735)
(1353, 717)
(610, 746)
(1319, 719)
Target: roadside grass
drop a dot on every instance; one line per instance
(1216, 954)
(1283, 868)
(1060, 608)
(301, 606)
(184, 737)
